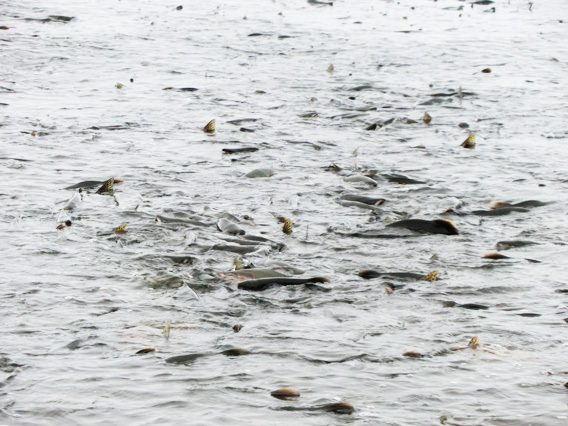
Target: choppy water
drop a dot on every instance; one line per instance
(78, 303)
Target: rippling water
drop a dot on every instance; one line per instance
(78, 303)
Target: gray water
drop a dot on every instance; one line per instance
(78, 303)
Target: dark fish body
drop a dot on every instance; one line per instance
(502, 211)
(182, 359)
(376, 235)
(263, 283)
(372, 201)
(403, 180)
(238, 150)
(474, 306)
(438, 226)
(505, 245)
(87, 184)
(530, 203)
(334, 407)
(368, 274)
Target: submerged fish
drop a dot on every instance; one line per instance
(523, 204)
(249, 274)
(334, 407)
(263, 283)
(372, 201)
(502, 211)
(91, 184)
(369, 274)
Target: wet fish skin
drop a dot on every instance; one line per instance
(334, 407)
(437, 226)
(239, 150)
(502, 211)
(183, 359)
(263, 283)
(250, 274)
(369, 274)
(372, 201)
(225, 225)
(505, 245)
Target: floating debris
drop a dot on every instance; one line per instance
(413, 354)
(286, 393)
(486, 70)
(427, 118)
(469, 142)
(209, 127)
(330, 68)
(119, 85)
(145, 351)
(432, 276)
(287, 227)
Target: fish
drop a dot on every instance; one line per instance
(210, 127)
(91, 184)
(106, 187)
(369, 274)
(263, 283)
(225, 225)
(502, 211)
(238, 150)
(249, 274)
(372, 201)
(499, 205)
(505, 245)
(437, 226)
(334, 407)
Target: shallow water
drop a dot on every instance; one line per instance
(78, 303)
